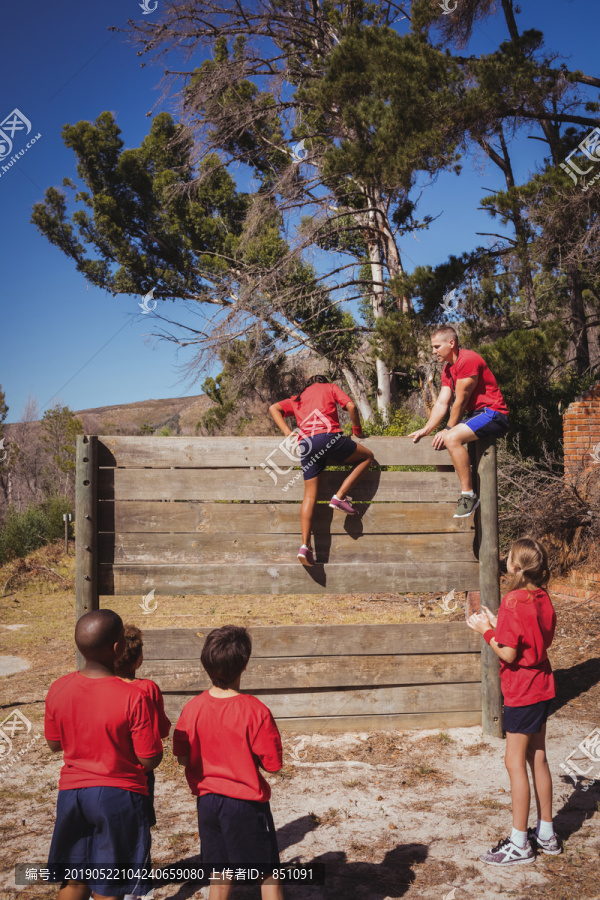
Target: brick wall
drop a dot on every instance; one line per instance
(581, 432)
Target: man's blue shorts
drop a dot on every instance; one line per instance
(331, 448)
(487, 422)
(103, 828)
(236, 833)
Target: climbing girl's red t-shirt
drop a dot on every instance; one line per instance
(227, 739)
(316, 409)
(103, 725)
(152, 691)
(526, 622)
(486, 392)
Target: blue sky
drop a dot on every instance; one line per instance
(61, 64)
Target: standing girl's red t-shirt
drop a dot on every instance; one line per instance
(316, 409)
(526, 622)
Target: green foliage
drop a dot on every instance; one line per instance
(146, 428)
(39, 524)
(165, 431)
(60, 427)
(401, 422)
(534, 387)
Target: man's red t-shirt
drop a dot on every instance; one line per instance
(152, 691)
(486, 392)
(226, 740)
(526, 622)
(103, 725)
(316, 410)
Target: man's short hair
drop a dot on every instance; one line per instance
(447, 332)
(225, 654)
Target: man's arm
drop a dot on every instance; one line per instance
(464, 389)
(438, 414)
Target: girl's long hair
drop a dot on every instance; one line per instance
(316, 379)
(530, 560)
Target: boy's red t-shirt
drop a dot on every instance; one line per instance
(486, 392)
(226, 740)
(151, 690)
(526, 622)
(103, 725)
(316, 410)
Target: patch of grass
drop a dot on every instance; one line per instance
(425, 769)
(354, 782)
(490, 803)
(181, 839)
(477, 749)
(444, 738)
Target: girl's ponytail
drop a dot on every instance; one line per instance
(530, 560)
(316, 379)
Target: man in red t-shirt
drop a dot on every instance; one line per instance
(109, 736)
(478, 410)
(222, 738)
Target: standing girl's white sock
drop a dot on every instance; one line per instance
(544, 830)
(519, 838)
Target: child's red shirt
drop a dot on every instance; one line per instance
(316, 410)
(151, 690)
(226, 740)
(526, 622)
(103, 726)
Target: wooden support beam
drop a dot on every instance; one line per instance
(489, 581)
(86, 532)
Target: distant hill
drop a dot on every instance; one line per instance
(181, 414)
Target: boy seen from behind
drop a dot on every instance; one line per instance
(223, 738)
(109, 736)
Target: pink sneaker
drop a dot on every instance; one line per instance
(305, 555)
(343, 505)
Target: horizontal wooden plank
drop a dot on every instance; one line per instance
(277, 518)
(239, 452)
(288, 578)
(321, 640)
(406, 722)
(293, 672)
(382, 700)
(266, 549)
(223, 484)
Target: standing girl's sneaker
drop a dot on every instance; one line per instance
(343, 506)
(505, 853)
(305, 555)
(551, 845)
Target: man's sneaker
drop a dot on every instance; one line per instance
(305, 555)
(466, 506)
(343, 505)
(551, 845)
(505, 853)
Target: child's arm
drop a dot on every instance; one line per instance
(55, 746)
(151, 762)
(267, 746)
(277, 413)
(354, 418)
(481, 623)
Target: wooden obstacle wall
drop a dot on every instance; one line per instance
(210, 516)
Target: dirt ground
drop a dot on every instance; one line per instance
(399, 814)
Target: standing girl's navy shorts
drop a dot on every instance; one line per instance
(526, 719)
(317, 452)
(236, 833)
(487, 422)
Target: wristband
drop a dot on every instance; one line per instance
(489, 634)
(356, 430)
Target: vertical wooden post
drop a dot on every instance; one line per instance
(489, 583)
(86, 548)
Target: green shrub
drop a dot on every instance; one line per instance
(37, 525)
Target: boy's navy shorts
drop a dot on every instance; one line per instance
(103, 828)
(526, 719)
(318, 451)
(487, 422)
(236, 833)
